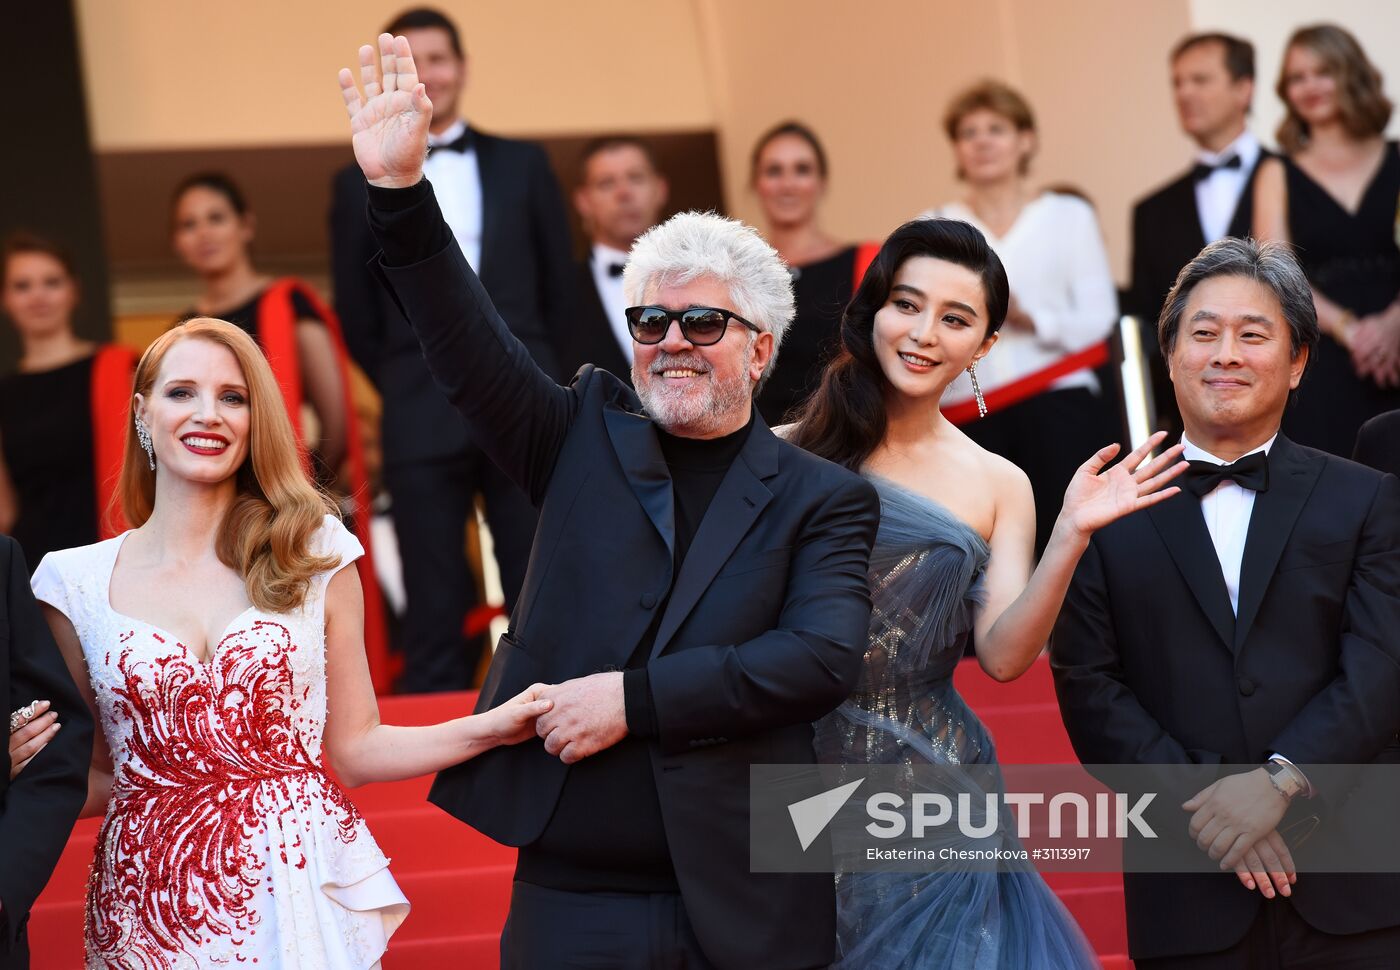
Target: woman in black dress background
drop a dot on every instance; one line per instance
(62, 414)
(1334, 195)
(212, 232)
(788, 174)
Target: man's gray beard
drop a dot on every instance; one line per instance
(692, 415)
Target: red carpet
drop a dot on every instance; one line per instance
(459, 881)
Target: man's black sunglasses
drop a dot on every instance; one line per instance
(701, 325)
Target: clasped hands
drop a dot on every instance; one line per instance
(1235, 821)
(577, 718)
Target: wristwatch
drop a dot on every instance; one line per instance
(1286, 779)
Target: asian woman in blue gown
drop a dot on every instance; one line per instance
(953, 561)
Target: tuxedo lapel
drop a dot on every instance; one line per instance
(1191, 233)
(1292, 475)
(634, 439)
(486, 166)
(1183, 530)
(1242, 222)
(740, 499)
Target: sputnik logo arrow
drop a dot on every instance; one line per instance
(811, 815)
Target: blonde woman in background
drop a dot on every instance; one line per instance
(1334, 193)
(1046, 407)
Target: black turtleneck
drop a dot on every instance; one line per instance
(606, 834)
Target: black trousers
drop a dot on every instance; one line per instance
(549, 929)
(1280, 939)
(1048, 437)
(432, 504)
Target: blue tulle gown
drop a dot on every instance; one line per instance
(926, 573)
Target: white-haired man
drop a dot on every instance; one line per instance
(696, 592)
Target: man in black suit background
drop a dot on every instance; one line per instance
(1250, 620)
(1213, 87)
(506, 212)
(40, 794)
(697, 591)
(1378, 443)
(620, 195)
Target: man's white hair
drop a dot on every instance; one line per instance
(695, 245)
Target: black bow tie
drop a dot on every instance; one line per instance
(615, 269)
(461, 144)
(1251, 472)
(1204, 171)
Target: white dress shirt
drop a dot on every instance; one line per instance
(1218, 194)
(456, 179)
(610, 293)
(1227, 509)
(1058, 270)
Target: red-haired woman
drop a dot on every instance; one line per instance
(220, 646)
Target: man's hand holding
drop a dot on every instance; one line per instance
(389, 123)
(1233, 814)
(1268, 867)
(589, 715)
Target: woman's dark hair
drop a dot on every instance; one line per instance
(844, 419)
(214, 182)
(21, 242)
(796, 129)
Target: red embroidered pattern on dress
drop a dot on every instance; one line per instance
(213, 757)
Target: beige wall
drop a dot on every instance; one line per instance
(871, 77)
(187, 73)
(875, 90)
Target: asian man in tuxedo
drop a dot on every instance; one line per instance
(620, 195)
(1213, 86)
(1248, 621)
(507, 214)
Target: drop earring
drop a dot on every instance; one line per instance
(144, 437)
(977, 390)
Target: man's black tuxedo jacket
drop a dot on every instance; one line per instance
(1167, 235)
(1378, 443)
(587, 337)
(38, 808)
(526, 266)
(763, 630)
(1152, 667)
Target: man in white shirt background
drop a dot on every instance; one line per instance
(620, 195)
(1247, 624)
(503, 205)
(1213, 86)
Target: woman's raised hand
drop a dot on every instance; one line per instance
(389, 122)
(1093, 500)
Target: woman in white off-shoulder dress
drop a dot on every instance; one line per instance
(220, 645)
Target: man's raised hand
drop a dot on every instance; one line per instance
(389, 123)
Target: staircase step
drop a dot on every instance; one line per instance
(470, 902)
(424, 839)
(1099, 913)
(477, 952)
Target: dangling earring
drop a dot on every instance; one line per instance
(144, 437)
(977, 390)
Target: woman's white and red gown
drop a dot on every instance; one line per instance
(225, 843)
